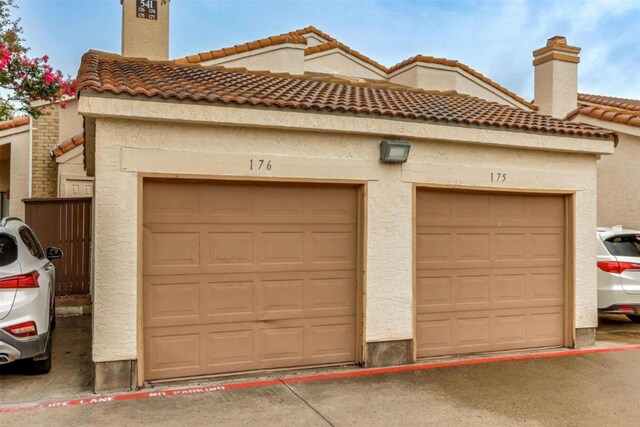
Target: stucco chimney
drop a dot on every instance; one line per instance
(556, 77)
(145, 29)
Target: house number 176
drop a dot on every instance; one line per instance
(259, 164)
(498, 177)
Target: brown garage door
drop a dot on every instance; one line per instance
(242, 277)
(490, 272)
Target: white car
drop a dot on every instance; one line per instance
(619, 272)
(27, 284)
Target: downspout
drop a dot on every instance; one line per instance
(30, 156)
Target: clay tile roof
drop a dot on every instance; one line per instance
(312, 29)
(337, 45)
(610, 101)
(14, 123)
(111, 74)
(626, 117)
(67, 145)
(463, 67)
(257, 44)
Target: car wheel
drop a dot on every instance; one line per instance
(635, 318)
(39, 367)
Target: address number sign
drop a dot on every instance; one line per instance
(147, 9)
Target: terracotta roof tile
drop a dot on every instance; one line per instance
(314, 30)
(337, 45)
(67, 145)
(610, 101)
(463, 67)
(108, 73)
(609, 114)
(332, 43)
(14, 123)
(233, 50)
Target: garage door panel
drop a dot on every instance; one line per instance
(261, 276)
(440, 334)
(174, 351)
(231, 348)
(489, 272)
(170, 202)
(176, 301)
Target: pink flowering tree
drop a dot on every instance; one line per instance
(25, 79)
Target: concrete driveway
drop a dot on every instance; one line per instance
(588, 389)
(71, 371)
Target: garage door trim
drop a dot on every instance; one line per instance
(569, 248)
(361, 244)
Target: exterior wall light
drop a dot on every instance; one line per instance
(394, 151)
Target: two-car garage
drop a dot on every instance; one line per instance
(253, 276)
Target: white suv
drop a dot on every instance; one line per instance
(619, 272)
(27, 284)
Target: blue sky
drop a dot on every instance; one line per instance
(495, 37)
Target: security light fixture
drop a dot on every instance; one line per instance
(394, 151)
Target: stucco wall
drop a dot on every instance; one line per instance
(337, 62)
(618, 189)
(19, 167)
(283, 58)
(70, 120)
(125, 148)
(446, 78)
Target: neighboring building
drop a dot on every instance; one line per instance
(244, 220)
(42, 158)
(618, 191)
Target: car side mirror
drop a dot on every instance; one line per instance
(54, 253)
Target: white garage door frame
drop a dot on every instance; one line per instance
(361, 255)
(569, 248)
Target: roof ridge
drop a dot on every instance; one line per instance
(463, 67)
(312, 29)
(335, 44)
(245, 47)
(609, 114)
(611, 101)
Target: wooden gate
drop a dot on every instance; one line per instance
(66, 224)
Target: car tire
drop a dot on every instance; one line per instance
(39, 367)
(635, 318)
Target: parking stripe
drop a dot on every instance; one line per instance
(92, 400)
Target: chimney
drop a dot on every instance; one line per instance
(145, 29)
(556, 77)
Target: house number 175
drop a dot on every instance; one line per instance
(498, 177)
(259, 164)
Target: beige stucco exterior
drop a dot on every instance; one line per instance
(145, 38)
(17, 180)
(70, 121)
(335, 61)
(141, 138)
(618, 192)
(446, 78)
(282, 58)
(72, 178)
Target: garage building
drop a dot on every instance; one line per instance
(244, 220)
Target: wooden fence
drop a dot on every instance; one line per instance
(66, 224)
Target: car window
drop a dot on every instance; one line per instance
(31, 243)
(628, 245)
(8, 250)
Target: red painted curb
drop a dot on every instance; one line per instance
(308, 378)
